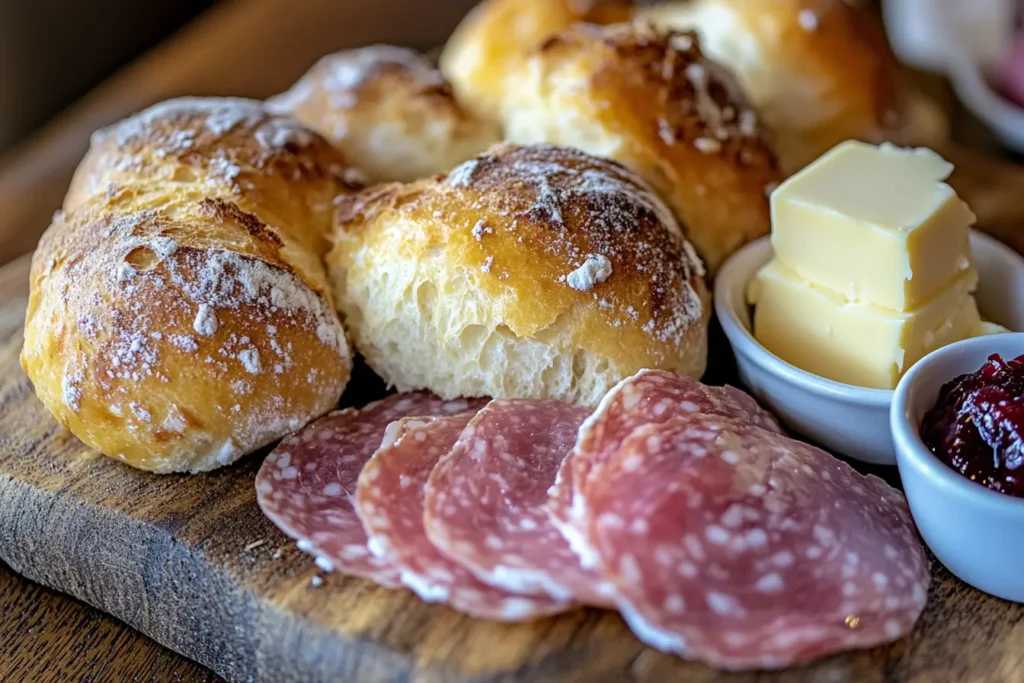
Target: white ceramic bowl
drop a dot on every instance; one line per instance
(977, 533)
(849, 420)
(1005, 118)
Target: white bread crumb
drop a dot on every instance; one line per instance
(595, 270)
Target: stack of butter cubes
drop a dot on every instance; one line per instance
(872, 267)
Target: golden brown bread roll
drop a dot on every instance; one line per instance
(390, 112)
(819, 71)
(179, 314)
(528, 272)
(497, 34)
(650, 100)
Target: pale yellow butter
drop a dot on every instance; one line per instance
(819, 331)
(876, 224)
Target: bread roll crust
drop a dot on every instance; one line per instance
(497, 34)
(389, 110)
(819, 71)
(650, 100)
(179, 313)
(528, 272)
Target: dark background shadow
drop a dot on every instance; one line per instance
(53, 51)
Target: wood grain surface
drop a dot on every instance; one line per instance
(50, 638)
(192, 563)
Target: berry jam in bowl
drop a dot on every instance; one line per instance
(957, 420)
(977, 425)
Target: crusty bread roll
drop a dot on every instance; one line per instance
(649, 100)
(528, 272)
(497, 34)
(819, 71)
(180, 314)
(390, 112)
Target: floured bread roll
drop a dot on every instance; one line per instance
(819, 71)
(180, 315)
(389, 110)
(497, 34)
(650, 100)
(528, 272)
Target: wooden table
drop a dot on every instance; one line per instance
(48, 637)
(249, 48)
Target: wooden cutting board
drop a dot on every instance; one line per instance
(192, 563)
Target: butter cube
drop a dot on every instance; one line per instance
(821, 332)
(876, 224)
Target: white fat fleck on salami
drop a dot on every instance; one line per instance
(487, 498)
(648, 397)
(307, 485)
(397, 522)
(739, 592)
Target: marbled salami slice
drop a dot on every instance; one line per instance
(391, 499)
(746, 549)
(307, 484)
(648, 397)
(486, 501)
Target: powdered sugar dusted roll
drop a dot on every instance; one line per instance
(818, 71)
(496, 36)
(390, 112)
(527, 272)
(650, 100)
(180, 315)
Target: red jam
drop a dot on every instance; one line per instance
(977, 425)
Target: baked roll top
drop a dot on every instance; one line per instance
(390, 111)
(650, 100)
(179, 314)
(819, 71)
(496, 36)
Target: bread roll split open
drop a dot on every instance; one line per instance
(527, 272)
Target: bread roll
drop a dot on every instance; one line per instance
(528, 272)
(650, 100)
(497, 34)
(819, 71)
(180, 315)
(389, 111)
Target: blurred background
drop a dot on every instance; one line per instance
(53, 51)
(68, 67)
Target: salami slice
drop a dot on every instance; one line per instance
(746, 549)
(391, 500)
(486, 501)
(307, 484)
(648, 397)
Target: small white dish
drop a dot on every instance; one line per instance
(1004, 117)
(849, 420)
(977, 533)
(965, 41)
(923, 33)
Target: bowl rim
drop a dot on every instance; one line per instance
(911, 451)
(744, 342)
(731, 275)
(976, 93)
